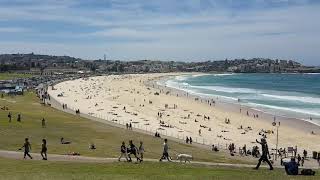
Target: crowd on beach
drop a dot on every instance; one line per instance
(98, 83)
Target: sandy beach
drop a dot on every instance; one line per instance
(137, 99)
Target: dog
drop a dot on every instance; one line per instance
(184, 157)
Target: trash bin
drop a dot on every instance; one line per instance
(314, 154)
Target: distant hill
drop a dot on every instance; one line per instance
(27, 62)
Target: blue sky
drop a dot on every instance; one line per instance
(184, 30)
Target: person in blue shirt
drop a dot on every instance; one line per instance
(291, 167)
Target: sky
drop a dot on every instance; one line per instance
(181, 30)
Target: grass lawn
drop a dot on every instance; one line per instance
(8, 76)
(81, 132)
(26, 169)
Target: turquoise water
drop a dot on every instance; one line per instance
(289, 95)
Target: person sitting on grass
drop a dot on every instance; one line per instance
(27, 148)
(92, 146)
(214, 148)
(44, 149)
(73, 154)
(255, 151)
(291, 167)
(64, 142)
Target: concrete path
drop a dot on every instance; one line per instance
(83, 159)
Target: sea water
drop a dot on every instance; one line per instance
(289, 95)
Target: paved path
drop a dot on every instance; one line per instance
(84, 159)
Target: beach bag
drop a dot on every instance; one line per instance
(308, 172)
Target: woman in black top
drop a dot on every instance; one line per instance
(44, 149)
(27, 148)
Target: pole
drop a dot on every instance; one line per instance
(277, 142)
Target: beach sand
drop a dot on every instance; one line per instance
(143, 99)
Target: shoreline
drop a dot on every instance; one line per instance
(130, 90)
(307, 126)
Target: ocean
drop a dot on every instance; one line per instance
(286, 95)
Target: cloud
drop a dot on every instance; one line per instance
(13, 29)
(166, 29)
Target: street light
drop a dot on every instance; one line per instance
(277, 126)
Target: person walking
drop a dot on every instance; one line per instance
(10, 117)
(133, 150)
(123, 151)
(305, 153)
(43, 122)
(299, 159)
(141, 151)
(44, 149)
(265, 154)
(244, 149)
(27, 148)
(165, 154)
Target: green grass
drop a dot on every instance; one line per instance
(25, 169)
(9, 76)
(81, 132)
